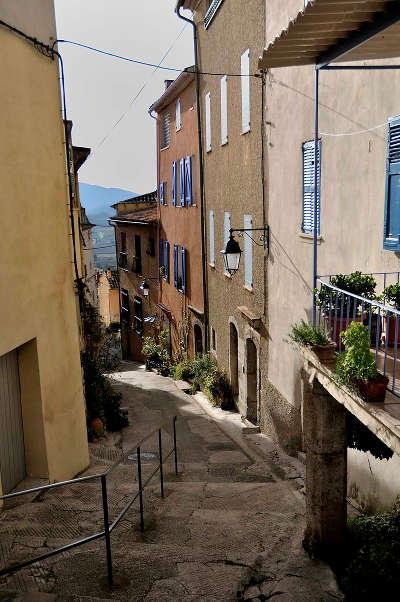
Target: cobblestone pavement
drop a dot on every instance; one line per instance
(229, 527)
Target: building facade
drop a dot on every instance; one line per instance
(231, 117)
(42, 411)
(181, 300)
(108, 295)
(136, 225)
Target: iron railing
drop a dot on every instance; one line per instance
(337, 308)
(102, 477)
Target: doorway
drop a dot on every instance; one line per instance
(252, 388)
(198, 339)
(234, 360)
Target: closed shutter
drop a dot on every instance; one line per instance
(245, 81)
(188, 181)
(162, 193)
(183, 269)
(224, 109)
(309, 187)
(138, 306)
(166, 259)
(392, 201)
(175, 266)
(227, 227)
(165, 133)
(182, 181)
(12, 451)
(212, 238)
(174, 195)
(178, 115)
(248, 252)
(208, 121)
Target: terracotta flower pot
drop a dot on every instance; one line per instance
(325, 353)
(373, 391)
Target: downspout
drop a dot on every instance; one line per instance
(315, 238)
(201, 165)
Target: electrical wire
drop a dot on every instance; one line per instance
(339, 135)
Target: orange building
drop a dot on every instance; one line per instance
(181, 296)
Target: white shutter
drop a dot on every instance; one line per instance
(212, 238)
(248, 252)
(227, 227)
(224, 109)
(178, 115)
(208, 121)
(309, 187)
(245, 80)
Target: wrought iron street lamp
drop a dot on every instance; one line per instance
(233, 252)
(144, 287)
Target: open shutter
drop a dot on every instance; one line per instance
(174, 183)
(227, 227)
(176, 266)
(392, 201)
(166, 260)
(224, 110)
(248, 252)
(245, 81)
(211, 259)
(183, 269)
(188, 181)
(208, 121)
(182, 181)
(162, 193)
(178, 123)
(309, 187)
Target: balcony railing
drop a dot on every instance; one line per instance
(337, 308)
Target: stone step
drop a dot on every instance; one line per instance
(249, 428)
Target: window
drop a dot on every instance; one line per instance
(309, 187)
(245, 81)
(151, 247)
(138, 305)
(224, 110)
(182, 182)
(165, 133)
(164, 259)
(212, 238)
(188, 181)
(174, 183)
(248, 252)
(124, 305)
(213, 340)
(163, 197)
(137, 259)
(180, 268)
(212, 9)
(123, 257)
(208, 121)
(392, 202)
(178, 123)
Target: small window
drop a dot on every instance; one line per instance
(124, 305)
(137, 260)
(138, 305)
(163, 195)
(208, 121)
(123, 257)
(392, 201)
(213, 340)
(165, 133)
(309, 186)
(178, 122)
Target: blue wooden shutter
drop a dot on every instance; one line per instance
(392, 201)
(166, 259)
(174, 182)
(182, 181)
(183, 268)
(309, 186)
(188, 181)
(162, 196)
(175, 265)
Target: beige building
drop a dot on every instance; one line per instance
(108, 295)
(230, 108)
(42, 412)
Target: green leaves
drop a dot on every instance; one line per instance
(308, 335)
(357, 361)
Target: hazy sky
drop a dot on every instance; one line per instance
(100, 89)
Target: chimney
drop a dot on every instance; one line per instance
(167, 83)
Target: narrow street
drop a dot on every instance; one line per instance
(229, 528)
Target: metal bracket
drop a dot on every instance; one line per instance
(263, 238)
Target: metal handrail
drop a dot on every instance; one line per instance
(108, 528)
(374, 302)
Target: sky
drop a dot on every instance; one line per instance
(100, 89)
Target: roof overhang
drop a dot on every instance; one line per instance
(329, 31)
(182, 81)
(187, 5)
(80, 155)
(131, 222)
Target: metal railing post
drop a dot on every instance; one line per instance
(175, 448)
(161, 462)
(107, 530)
(139, 468)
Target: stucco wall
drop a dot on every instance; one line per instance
(36, 19)
(37, 300)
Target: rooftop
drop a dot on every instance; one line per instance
(180, 83)
(146, 217)
(148, 197)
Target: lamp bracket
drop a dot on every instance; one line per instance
(263, 237)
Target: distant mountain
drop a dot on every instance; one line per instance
(97, 201)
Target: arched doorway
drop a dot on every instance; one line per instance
(252, 389)
(198, 339)
(233, 359)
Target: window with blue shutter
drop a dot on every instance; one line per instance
(162, 193)
(391, 240)
(188, 181)
(309, 187)
(166, 260)
(182, 182)
(174, 195)
(183, 270)
(176, 261)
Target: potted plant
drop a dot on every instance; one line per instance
(391, 294)
(356, 365)
(315, 338)
(340, 308)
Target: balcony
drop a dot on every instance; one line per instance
(364, 298)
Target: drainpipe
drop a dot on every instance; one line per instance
(315, 237)
(201, 164)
